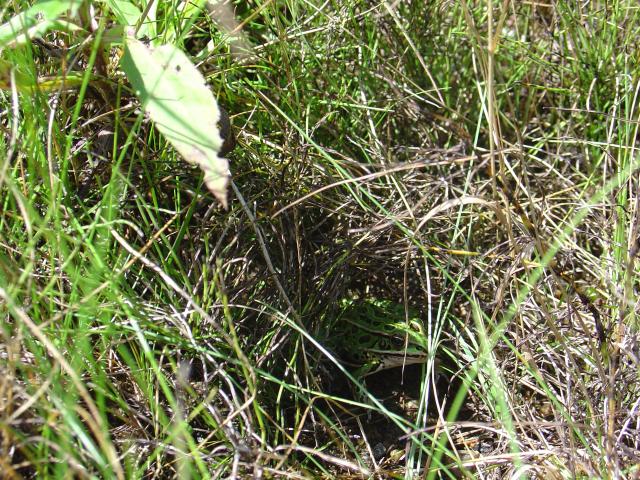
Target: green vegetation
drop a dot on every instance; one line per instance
(469, 168)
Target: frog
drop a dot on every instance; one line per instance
(373, 335)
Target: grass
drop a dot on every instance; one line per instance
(473, 161)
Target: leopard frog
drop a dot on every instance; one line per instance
(375, 335)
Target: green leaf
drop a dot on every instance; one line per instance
(35, 21)
(127, 15)
(126, 12)
(174, 94)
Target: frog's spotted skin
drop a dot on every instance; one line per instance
(375, 335)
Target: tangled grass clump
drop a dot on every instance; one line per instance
(473, 163)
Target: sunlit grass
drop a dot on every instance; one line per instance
(484, 178)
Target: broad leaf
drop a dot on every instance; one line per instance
(176, 97)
